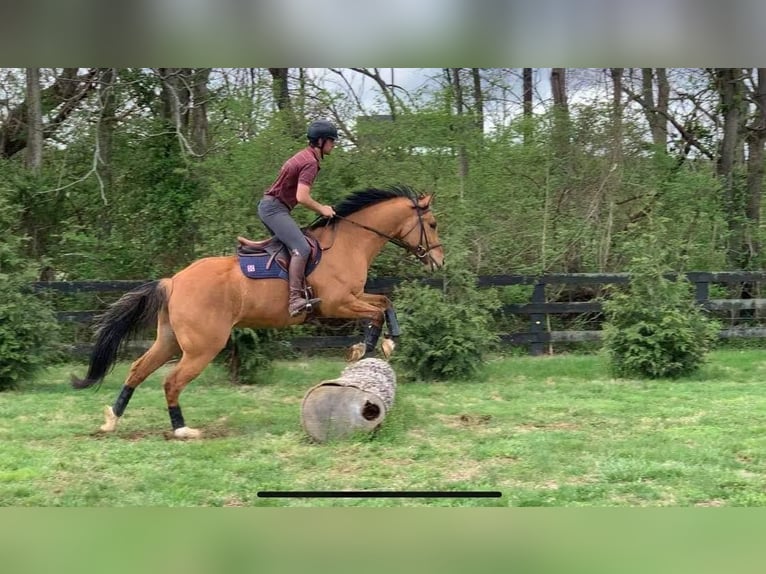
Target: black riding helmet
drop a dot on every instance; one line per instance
(321, 129)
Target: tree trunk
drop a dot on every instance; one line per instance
(656, 112)
(730, 89)
(106, 126)
(560, 114)
(756, 138)
(34, 157)
(462, 153)
(617, 118)
(281, 90)
(528, 87)
(175, 98)
(65, 95)
(478, 98)
(198, 122)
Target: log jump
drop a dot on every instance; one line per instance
(356, 402)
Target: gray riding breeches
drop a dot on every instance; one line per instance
(276, 217)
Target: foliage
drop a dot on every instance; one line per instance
(445, 333)
(655, 329)
(28, 327)
(250, 353)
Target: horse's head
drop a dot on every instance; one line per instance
(418, 233)
(404, 218)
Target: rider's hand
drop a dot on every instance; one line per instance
(327, 211)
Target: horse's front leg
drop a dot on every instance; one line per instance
(389, 314)
(367, 307)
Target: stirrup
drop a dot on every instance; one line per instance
(306, 307)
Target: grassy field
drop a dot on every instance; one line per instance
(549, 431)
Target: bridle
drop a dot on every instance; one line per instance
(422, 250)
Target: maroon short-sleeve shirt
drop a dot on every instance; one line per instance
(301, 168)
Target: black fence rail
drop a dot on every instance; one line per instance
(535, 312)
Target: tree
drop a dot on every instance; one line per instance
(281, 90)
(756, 138)
(34, 159)
(656, 110)
(617, 114)
(459, 107)
(184, 99)
(528, 92)
(63, 97)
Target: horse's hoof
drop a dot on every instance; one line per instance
(355, 352)
(110, 420)
(387, 346)
(186, 432)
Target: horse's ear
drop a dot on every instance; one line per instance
(424, 202)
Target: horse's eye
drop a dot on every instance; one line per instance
(432, 225)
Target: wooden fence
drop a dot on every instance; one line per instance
(536, 311)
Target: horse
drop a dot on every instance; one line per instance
(196, 309)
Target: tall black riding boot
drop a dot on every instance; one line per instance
(296, 275)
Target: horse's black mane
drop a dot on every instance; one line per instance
(365, 197)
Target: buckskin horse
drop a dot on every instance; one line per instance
(196, 309)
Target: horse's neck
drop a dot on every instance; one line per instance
(361, 240)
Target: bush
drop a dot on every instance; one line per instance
(445, 333)
(29, 331)
(250, 353)
(655, 329)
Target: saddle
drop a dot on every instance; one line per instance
(270, 258)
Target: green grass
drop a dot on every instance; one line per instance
(545, 431)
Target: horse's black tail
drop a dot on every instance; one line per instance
(133, 311)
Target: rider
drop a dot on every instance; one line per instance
(293, 186)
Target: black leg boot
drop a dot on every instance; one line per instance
(296, 277)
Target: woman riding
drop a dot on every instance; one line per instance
(292, 187)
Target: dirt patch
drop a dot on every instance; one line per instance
(466, 420)
(529, 427)
(711, 503)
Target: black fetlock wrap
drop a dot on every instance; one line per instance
(393, 323)
(176, 418)
(371, 336)
(122, 400)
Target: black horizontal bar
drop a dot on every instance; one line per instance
(379, 494)
(386, 284)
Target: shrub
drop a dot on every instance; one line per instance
(655, 329)
(445, 333)
(28, 327)
(250, 353)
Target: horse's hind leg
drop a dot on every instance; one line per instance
(162, 350)
(194, 360)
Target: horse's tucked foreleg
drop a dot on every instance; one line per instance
(369, 307)
(384, 304)
(389, 343)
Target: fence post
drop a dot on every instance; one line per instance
(537, 321)
(701, 291)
